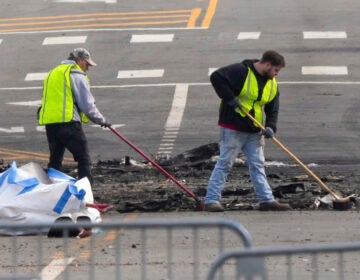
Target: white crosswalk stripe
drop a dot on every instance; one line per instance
(248, 35)
(324, 35)
(152, 38)
(153, 73)
(62, 40)
(35, 76)
(324, 70)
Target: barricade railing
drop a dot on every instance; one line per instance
(137, 249)
(316, 261)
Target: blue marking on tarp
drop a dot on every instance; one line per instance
(11, 175)
(79, 194)
(59, 207)
(56, 174)
(28, 184)
(70, 190)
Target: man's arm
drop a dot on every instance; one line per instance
(228, 81)
(272, 111)
(84, 98)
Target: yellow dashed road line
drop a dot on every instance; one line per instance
(11, 154)
(209, 13)
(193, 17)
(180, 18)
(96, 20)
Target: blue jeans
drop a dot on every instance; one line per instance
(232, 142)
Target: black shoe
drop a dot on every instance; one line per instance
(274, 206)
(214, 207)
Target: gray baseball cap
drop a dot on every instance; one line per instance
(84, 54)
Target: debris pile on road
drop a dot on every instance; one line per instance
(140, 187)
(133, 185)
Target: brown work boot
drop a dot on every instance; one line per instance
(214, 207)
(274, 206)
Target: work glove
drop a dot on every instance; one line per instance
(268, 132)
(105, 124)
(235, 103)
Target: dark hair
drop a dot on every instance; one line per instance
(274, 58)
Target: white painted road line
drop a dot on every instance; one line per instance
(64, 40)
(35, 76)
(165, 145)
(324, 35)
(324, 70)
(248, 35)
(13, 129)
(173, 122)
(178, 107)
(304, 82)
(34, 103)
(154, 73)
(172, 133)
(1, 41)
(169, 137)
(152, 38)
(55, 268)
(211, 70)
(168, 140)
(40, 128)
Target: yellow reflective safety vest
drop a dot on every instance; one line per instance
(249, 95)
(57, 104)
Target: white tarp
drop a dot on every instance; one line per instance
(30, 195)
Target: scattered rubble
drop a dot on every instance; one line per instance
(141, 187)
(138, 186)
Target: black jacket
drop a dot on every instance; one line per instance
(228, 82)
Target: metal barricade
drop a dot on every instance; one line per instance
(136, 249)
(333, 261)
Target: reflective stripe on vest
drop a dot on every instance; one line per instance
(57, 104)
(249, 94)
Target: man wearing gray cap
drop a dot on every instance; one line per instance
(66, 103)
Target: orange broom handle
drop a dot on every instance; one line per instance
(282, 146)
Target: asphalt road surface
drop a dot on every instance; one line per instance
(154, 59)
(152, 82)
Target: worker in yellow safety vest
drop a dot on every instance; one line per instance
(66, 103)
(250, 86)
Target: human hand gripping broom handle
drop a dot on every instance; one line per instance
(309, 171)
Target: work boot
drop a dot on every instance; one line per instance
(214, 207)
(274, 206)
